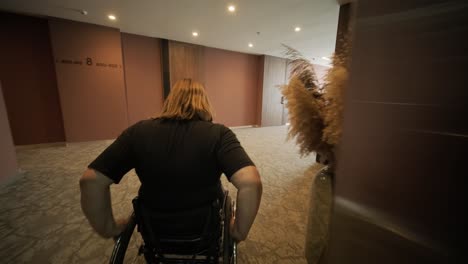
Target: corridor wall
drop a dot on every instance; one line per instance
(75, 81)
(231, 80)
(27, 73)
(88, 62)
(143, 76)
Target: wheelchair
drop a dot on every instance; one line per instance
(167, 238)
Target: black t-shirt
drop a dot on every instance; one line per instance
(179, 163)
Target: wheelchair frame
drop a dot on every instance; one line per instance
(220, 249)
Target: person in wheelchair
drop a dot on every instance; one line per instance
(179, 158)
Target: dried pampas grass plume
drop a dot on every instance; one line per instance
(301, 68)
(335, 80)
(315, 112)
(304, 116)
(334, 88)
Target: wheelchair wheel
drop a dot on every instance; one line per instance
(229, 246)
(126, 248)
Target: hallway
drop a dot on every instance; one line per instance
(41, 219)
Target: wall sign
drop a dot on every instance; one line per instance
(89, 62)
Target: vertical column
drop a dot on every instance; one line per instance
(344, 23)
(399, 183)
(165, 67)
(8, 163)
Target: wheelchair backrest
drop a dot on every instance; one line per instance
(187, 231)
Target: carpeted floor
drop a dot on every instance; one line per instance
(41, 219)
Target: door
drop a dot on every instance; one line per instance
(273, 77)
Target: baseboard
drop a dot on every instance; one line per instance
(42, 145)
(107, 141)
(59, 144)
(8, 180)
(238, 127)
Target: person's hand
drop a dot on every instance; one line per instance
(233, 230)
(120, 225)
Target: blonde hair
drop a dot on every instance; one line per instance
(187, 100)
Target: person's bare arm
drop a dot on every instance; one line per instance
(96, 203)
(249, 193)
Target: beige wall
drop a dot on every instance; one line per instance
(92, 96)
(143, 76)
(231, 80)
(8, 163)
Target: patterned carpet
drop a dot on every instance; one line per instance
(41, 219)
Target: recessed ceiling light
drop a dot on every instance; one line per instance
(326, 58)
(250, 45)
(297, 29)
(232, 8)
(111, 17)
(195, 34)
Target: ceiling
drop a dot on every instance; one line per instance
(275, 21)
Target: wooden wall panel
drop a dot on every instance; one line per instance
(260, 73)
(287, 77)
(143, 76)
(230, 79)
(185, 61)
(274, 75)
(231, 82)
(90, 79)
